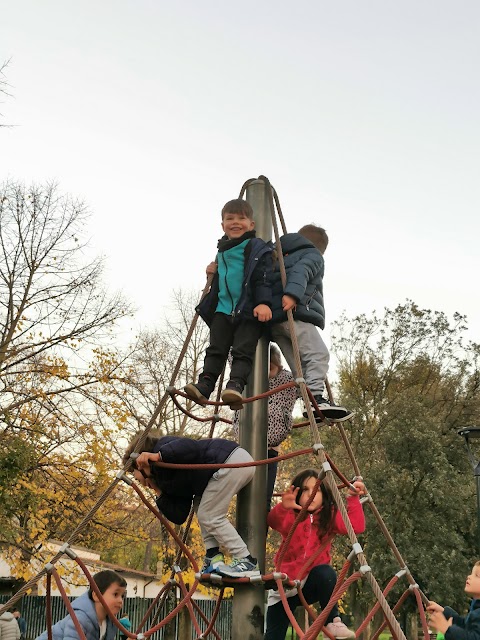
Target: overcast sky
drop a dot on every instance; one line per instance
(363, 114)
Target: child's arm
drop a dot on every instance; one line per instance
(281, 517)
(354, 510)
(70, 631)
(261, 282)
(454, 627)
(299, 275)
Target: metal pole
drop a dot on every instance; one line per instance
(476, 473)
(249, 600)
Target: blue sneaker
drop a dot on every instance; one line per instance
(210, 565)
(239, 568)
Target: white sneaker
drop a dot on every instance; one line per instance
(339, 630)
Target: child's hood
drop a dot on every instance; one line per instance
(7, 615)
(294, 241)
(85, 603)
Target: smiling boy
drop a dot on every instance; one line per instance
(447, 621)
(237, 305)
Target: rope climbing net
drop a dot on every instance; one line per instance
(355, 567)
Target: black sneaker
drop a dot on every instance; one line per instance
(201, 391)
(332, 411)
(232, 394)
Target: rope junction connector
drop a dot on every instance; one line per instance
(326, 467)
(256, 579)
(170, 390)
(134, 455)
(298, 381)
(365, 569)
(121, 475)
(356, 549)
(49, 567)
(367, 498)
(176, 568)
(413, 586)
(216, 418)
(401, 573)
(279, 576)
(173, 581)
(68, 551)
(317, 447)
(140, 636)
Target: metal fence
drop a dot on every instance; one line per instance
(33, 609)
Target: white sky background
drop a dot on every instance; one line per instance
(363, 114)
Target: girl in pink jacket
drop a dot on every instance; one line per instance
(320, 525)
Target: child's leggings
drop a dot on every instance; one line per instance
(318, 588)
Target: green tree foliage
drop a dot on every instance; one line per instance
(413, 382)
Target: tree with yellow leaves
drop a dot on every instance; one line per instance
(53, 315)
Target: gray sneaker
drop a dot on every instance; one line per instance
(239, 568)
(210, 565)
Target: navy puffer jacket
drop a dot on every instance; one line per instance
(305, 268)
(179, 486)
(256, 285)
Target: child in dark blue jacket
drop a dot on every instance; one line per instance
(303, 294)
(447, 621)
(210, 490)
(238, 303)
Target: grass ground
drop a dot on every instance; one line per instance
(291, 635)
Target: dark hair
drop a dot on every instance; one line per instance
(238, 206)
(329, 508)
(275, 356)
(103, 579)
(316, 235)
(149, 445)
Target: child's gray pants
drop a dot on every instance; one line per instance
(314, 355)
(214, 502)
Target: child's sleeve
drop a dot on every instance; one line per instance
(70, 631)
(262, 277)
(302, 272)
(280, 519)
(448, 612)
(355, 515)
(462, 628)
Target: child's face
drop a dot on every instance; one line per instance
(113, 597)
(235, 225)
(472, 585)
(305, 493)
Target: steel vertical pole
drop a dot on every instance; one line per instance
(476, 472)
(249, 600)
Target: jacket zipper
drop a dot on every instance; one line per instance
(307, 546)
(310, 298)
(232, 313)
